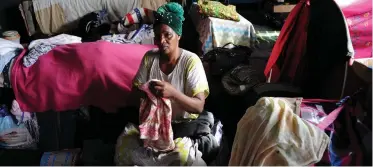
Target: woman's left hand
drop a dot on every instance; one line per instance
(164, 89)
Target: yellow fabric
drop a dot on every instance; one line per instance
(50, 20)
(271, 134)
(129, 140)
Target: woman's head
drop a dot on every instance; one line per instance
(168, 27)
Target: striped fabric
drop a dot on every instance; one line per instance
(138, 16)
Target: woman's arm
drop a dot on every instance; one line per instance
(193, 105)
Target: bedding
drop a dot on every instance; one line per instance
(55, 16)
(216, 32)
(74, 75)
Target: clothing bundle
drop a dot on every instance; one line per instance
(40, 47)
(217, 9)
(138, 36)
(130, 151)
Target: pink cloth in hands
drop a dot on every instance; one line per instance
(155, 121)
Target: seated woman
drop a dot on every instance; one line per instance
(182, 79)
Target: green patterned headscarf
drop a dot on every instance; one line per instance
(171, 14)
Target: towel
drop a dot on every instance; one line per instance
(155, 121)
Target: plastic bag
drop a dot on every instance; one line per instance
(13, 136)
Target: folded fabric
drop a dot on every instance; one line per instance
(155, 121)
(40, 47)
(61, 39)
(138, 16)
(136, 36)
(271, 134)
(8, 46)
(37, 51)
(218, 10)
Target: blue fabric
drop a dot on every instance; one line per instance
(4, 59)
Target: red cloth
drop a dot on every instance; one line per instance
(290, 46)
(97, 73)
(155, 119)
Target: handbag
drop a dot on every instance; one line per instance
(344, 148)
(223, 59)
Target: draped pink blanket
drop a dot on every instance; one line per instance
(69, 76)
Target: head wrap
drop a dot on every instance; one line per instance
(171, 14)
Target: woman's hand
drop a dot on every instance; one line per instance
(163, 89)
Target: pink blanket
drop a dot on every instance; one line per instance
(69, 76)
(358, 14)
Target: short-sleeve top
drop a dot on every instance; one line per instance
(188, 76)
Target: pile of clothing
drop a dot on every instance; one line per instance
(40, 47)
(18, 129)
(134, 28)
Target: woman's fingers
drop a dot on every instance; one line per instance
(158, 83)
(158, 87)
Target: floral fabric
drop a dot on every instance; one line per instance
(218, 10)
(155, 119)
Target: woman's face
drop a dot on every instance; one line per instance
(166, 39)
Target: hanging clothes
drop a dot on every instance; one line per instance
(155, 119)
(313, 40)
(290, 45)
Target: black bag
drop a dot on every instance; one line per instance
(223, 59)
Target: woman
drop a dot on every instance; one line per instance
(181, 78)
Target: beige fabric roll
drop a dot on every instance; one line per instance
(51, 19)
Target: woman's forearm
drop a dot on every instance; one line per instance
(193, 105)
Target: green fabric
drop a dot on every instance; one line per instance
(218, 10)
(171, 14)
